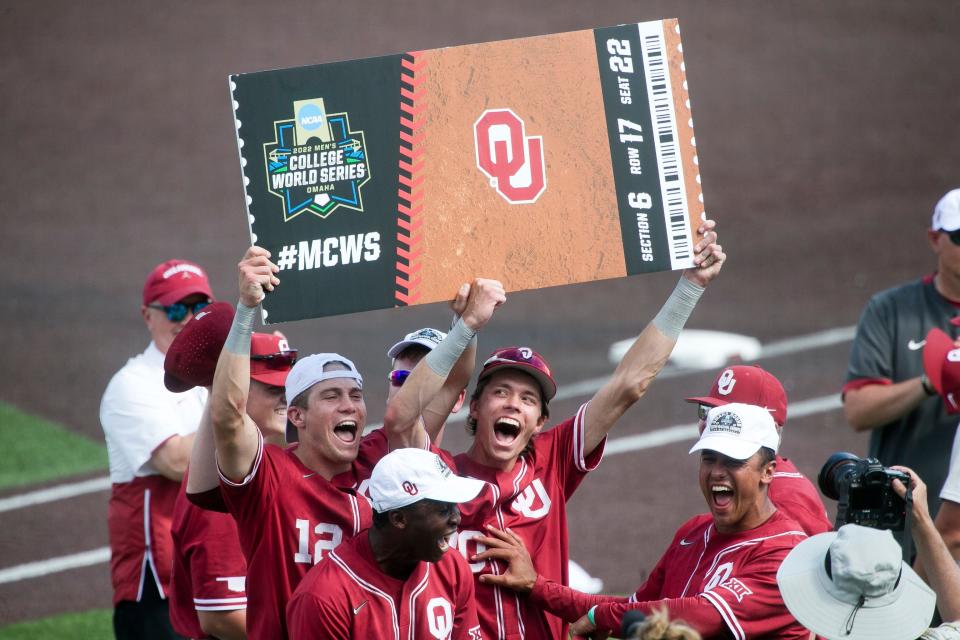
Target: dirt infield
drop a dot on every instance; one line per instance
(825, 133)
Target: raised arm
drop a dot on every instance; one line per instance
(650, 351)
(402, 419)
(235, 435)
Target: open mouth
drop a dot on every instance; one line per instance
(346, 431)
(722, 495)
(506, 430)
(444, 541)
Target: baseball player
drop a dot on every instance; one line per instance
(294, 506)
(790, 490)
(719, 574)
(534, 471)
(207, 586)
(396, 580)
(149, 432)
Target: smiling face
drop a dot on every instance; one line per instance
(736, 490)
(507, 414)
(329, 424)
(267, 407)
(429, 526)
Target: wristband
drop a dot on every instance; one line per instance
(442, 358)
(590, 615)
(678, 307)
(238, 340)
(927, 387)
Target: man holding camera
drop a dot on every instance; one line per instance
(886, 391)
(719, 573)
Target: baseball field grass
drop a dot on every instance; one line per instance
(89, 625)
(37, 450)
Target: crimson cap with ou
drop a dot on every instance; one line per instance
(523, 359)
(405, 476)
(738, 431)
(174, 280)
(941, 362)
(749, 384)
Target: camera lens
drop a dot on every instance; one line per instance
(835, 473)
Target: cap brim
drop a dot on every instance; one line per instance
(731, 447)
(547, 385)
(803, 583)
(175, 384)
(183, 292)
(271, 377)
(456, 489)
(710, 401)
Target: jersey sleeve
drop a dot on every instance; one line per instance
(246, 499)
(566, 603)
(696, 611)
(312, 618)
(217, 567)
(567, 448)
(137, 422)
(871, 357)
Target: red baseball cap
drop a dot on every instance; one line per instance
(941, 361)
(174, 280)
(523, 359)
(748, 384)
(271, 359)
(192, 358)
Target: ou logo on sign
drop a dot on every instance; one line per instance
(512, 160)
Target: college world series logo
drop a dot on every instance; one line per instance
(511, 160)
(316, 162)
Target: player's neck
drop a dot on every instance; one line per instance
(391, 559)
(752, 519)
(947, 286)
(324, 468)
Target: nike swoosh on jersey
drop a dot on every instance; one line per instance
(309, 475)
(356, 610)
(684, 543)
(913, 345)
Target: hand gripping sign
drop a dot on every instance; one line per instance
(539, 161)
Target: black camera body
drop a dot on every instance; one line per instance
(863, 489)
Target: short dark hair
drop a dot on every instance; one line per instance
(412, 351)
(478, 391)
(767, 455)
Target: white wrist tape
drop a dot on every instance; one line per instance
(442, 358)
(238, 340)
(677, 309)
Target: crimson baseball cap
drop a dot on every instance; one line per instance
(405, 476)
(192, 358)
(748, 384)
(941, 362)
(174, 280)
(523, 359)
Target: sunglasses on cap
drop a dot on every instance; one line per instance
(702, 410)
(280, 360)
(397, 377)
(178, 311)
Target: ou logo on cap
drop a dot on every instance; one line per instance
(726, 382)
(410, 488)
(954, 355)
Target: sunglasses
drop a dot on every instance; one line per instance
(954, 236)
(281, 360)
(702, 410)
(398, 377)
(177, 312)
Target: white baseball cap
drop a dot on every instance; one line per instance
(425, 337)
(309, 371)
(405, 476)
(946, 215)
(738, 431)
(852, 584)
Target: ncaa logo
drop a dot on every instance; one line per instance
(512, 161)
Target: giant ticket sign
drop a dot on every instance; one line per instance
(540, 161)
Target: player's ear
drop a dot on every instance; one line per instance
(398, 518)
(767, 472)
(295, 416)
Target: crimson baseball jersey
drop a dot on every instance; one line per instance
(799, 500)
(531, 499)
(209, 570)
(289, 518)
(348, 596)
(719, 583)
